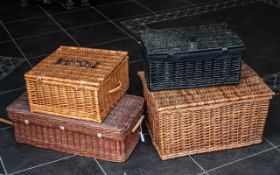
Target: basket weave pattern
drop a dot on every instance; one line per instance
(113, 140)
(78, 83)
(193, 56)
(168, 74)
(193, 121)
(75, 142)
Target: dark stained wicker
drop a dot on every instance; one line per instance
(113, 140)
(192, 56)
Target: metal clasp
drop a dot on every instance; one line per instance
(26, 122)
(224, 49)
(62, 128)
(192, 46)
(39, 78)
(82, 83)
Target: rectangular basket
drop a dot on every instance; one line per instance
(192, 56)
(193, 121)
(112, 140)
(80, 83)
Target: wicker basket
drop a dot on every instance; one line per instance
(192, 57)
(112, 140)
(80, 83)
(193, 121)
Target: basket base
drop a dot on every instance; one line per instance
(108, 157)
(204, 150)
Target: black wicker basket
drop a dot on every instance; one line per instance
(192, 57)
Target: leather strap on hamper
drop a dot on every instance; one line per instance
(116, 89)
(138, 124)
(6, 121)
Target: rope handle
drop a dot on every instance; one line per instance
(116, 89)
(138, 124)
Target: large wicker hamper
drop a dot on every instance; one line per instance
(192, 121)
(112, 140)
(80, 83)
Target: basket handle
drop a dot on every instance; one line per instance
(2, 120)
(138, 124)
(116, 89)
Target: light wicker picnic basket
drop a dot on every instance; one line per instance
(81, 83)
(192, 121)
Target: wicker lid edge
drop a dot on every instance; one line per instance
(36, 72)
(267, 93)
(176, 40)
(64, 47)
(21, 107)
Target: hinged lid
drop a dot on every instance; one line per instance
(121, 118)
(190, 39)
(76, 65)
(251, 86)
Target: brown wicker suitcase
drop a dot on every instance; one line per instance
(80, 83)
(191, 121)
(112, 140)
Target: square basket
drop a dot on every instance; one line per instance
(81, 83)
(192, 56)
(200, 120)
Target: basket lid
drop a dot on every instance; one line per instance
(190, 39)
(78, 65)
(121, 118)
(251, 86)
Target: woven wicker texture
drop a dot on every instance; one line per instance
(112, 139)
(190, 39)
(195, 56)
(193, 121)
(164, 74)
(78, 82)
